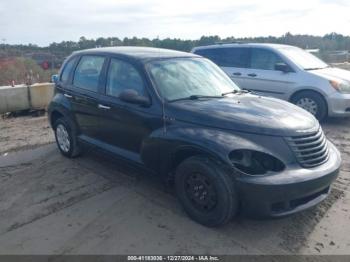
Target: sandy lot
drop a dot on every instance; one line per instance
(97, 205)
(24, 133)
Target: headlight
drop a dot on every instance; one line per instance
(340, 86)
(254, 162)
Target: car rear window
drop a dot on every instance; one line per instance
(88, 72)
(227, 57)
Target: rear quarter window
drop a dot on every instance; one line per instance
(68, 67)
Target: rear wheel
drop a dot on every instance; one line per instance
(66, 139)
(312, 102)
(206, 191)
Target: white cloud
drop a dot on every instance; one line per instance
(42, 21)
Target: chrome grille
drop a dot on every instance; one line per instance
(310, 149)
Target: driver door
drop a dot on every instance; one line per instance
(123, 126)
(262, 77)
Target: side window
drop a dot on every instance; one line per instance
(264, 59)
(237, 57)
(121, 76)
(88, 71)
(227, 57)
(215, 55)
(67, 70)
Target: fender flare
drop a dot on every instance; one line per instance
(217, 144)
(307, 88)
(61, 105)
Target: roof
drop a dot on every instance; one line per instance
(137, 53)
(263, 45)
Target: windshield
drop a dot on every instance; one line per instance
(177, 78)
(303, 59)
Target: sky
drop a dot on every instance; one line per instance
(42, 22)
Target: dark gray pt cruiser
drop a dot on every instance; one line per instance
(179, 116)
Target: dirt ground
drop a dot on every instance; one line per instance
(19, 133)
(97, 205)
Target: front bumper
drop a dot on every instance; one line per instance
(339, 104)
(293, 190)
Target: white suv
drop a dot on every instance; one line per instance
(285, 72)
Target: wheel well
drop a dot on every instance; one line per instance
(308, 90)
(185, 153)
(176, 159)
(54, 116)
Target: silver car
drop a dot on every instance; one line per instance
(285, 72)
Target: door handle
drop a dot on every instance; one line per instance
(68, 96)
(252, 75)
(237, 74)
(104, 107)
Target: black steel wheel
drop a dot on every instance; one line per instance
(206, 191)
(201, 191)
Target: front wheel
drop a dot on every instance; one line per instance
(206, 191)
(312, 102)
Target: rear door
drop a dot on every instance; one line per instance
(262, 77)
(84, 93)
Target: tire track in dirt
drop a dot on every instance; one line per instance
(295, 235)
(55, 187)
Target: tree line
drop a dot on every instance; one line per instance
(328, 42)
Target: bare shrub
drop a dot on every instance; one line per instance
(23, 71)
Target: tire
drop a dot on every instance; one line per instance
(63, 130)
(223, 203)
(312, 102)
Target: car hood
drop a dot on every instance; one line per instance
(332, 73)
(245, 113)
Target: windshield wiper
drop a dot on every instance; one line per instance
(241, 91)
(194, 97)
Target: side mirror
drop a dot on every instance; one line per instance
(54, 79)
(131, 96)
(282, 67)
